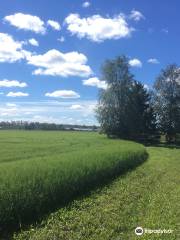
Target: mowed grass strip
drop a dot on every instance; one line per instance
(33, 187)
(147, 196)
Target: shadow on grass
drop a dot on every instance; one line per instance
(163, 144)
(153, 141)
(158, 141)
(86, 191)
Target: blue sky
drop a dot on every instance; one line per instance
(51, 52)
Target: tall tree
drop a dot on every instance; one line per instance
(123, 108)
(114, 100)
(167, 101)
(140, 112)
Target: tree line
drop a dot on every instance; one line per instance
(127, 109)
(25, 125)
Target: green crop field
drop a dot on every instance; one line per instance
(42, 171)
(148, 197)
(77, 185)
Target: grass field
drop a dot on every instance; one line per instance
(147, 196)
(41, 171)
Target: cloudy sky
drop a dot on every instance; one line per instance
(51, 52)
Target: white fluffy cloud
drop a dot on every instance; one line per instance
(12, 83)
(26, 22)
(63, 94)
(10, 50)
(76, 107)
(11, 105)
(86, 4)
(136, 15)
(56, 63)
(61, 39)
(49, 111)
(153, 61)
(135, 62)
(33, 42)
(17, 94)
(95, 82)
(97, 28)
(55, 25)
(8, 111)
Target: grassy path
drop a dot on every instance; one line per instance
(147, 197)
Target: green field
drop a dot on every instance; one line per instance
(42, 172)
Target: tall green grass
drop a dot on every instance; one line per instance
(148, 197)
(31, 188)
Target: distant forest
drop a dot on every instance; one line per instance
(24, 125)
